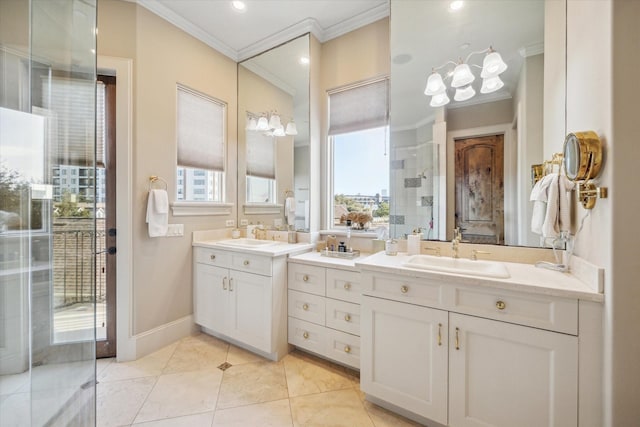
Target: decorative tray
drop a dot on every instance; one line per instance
(335, 254)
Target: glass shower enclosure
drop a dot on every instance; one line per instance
(47, 205)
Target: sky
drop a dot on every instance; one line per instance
(22, 143)
(356, 155)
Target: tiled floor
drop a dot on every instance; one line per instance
(181, 385)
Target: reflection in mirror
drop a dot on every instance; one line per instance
(273, 142)
(467, 104)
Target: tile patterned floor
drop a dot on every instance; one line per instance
(180, 385)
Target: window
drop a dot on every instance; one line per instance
(261, 168)
(359, 165)
(201, 144)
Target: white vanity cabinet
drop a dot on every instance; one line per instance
(324, 311)
(241, 297)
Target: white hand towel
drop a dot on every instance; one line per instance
(564, 215)
(290, 210)
(158, 213)
(539, 197)
(557, 217)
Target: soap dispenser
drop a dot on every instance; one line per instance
(413, 242)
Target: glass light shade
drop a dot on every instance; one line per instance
(491, 84)
(464, 93)
(435, 85)
(263, 124)
(462, 76)
(291, 129)
(274, 122)
(492, 65)
(439, 100)
(279, 131)
(252, 124)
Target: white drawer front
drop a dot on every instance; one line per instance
(307, 335)
(403, 289)
(251, 263)
(343, 316)
(546, 312)
(212, 257)
(307, 307)
(344, 285)
(306, 278)
(344, 348)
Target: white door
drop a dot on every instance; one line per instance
(508, 375)
(250, 309)
(210, 297)
(404, 356)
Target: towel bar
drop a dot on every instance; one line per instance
(153, 179)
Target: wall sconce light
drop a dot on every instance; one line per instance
(270, 122)
(462, 77)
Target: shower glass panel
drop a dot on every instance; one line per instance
(47, 225)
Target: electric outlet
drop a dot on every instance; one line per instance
(230, 223)
(175, 230)
(244, 222)
(277, 223)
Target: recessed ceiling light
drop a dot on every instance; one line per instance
(239, 6)
(456, 5)
(304, 60)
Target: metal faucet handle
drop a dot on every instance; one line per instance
(476, 252)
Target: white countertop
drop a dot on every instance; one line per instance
(314, 258)
(524, 277)
(274, 250)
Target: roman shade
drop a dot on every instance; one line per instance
(360, 107)
(260, 155)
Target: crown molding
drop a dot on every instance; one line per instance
(270, 77)
(309, 25)
(167, 14)
(531, 50)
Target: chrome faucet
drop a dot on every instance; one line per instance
(455, 243)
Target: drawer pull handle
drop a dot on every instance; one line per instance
(212, 257)
(305, 278)
(404, 289)
(305, 335)
(347, 317)
(500, 305)
(347, 349)
(231, 284)
(457, 339)
(347, 286)
(439, 333)
(224, 283)
(305, 307)
(246, 262)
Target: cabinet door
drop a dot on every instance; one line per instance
(250, 309)
(210, 297)
(404, 356)
(509, 375)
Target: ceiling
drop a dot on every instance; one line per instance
(265, 23)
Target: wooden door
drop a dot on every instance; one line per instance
(479, 188)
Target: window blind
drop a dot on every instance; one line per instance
(200, 130)
(362, 107)
(260, 155)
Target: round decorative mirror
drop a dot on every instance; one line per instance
(582, 155)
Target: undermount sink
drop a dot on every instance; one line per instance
(458, 265)
(246, 243)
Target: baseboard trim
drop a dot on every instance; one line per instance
(147, 342)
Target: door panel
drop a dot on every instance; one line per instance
(250, 302)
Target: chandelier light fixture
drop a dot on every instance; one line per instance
(270, 122)
(462, 78)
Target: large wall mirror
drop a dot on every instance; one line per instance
(461, 155)
(273, 136)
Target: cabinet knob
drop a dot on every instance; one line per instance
(305, 335)
(500, 305)
(212, 257)
(404, 289)
(305, 278)
(347, 286)
(305, 307)
(246, 262)
(347, 317)
(347, 349)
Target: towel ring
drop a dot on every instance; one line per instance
(288, 193)
(153, 179)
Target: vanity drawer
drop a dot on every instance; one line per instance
(344, 348)
(540, 311)
(307, 307)
(306, 278)
(344, 285)
(404, 289)
(212, 257)
(343, 316)
(307, 335)
(251, 263)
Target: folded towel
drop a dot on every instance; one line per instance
(539, 197)
(158, 213)
(551, 209)
(290, 210)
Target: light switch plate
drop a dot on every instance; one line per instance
(230, 223)
(175, 230)
(244, 222)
